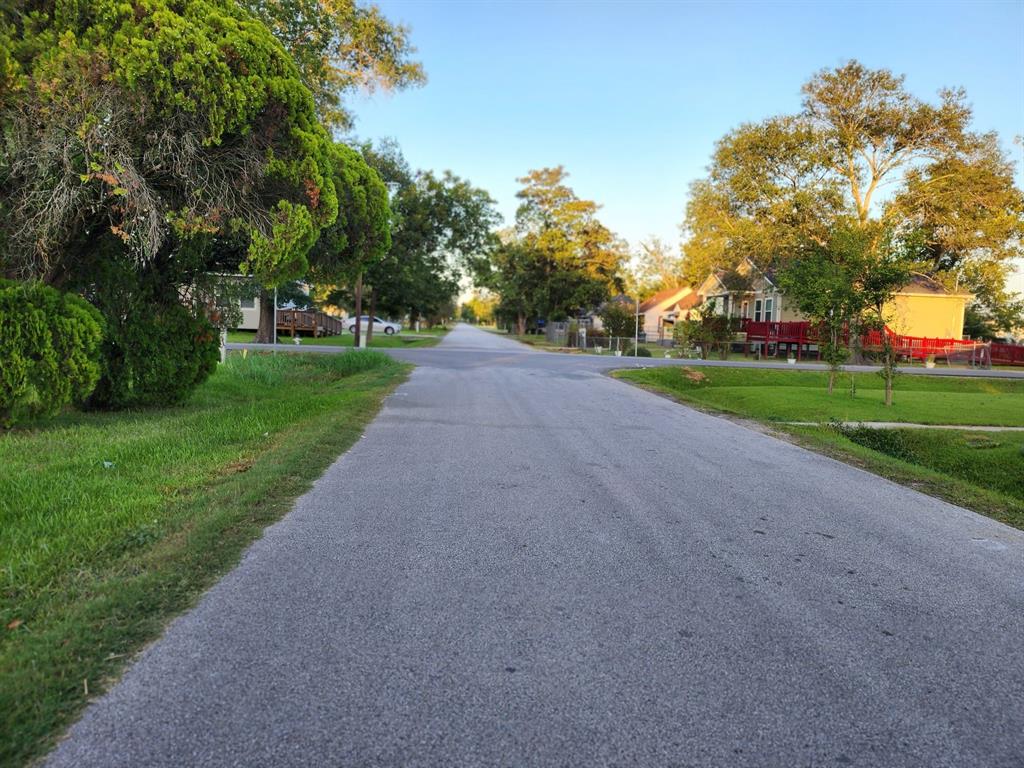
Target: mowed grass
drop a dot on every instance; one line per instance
(110, 523)
(401, 340)
(774, 395)
(983, 471)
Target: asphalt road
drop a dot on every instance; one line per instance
(524, 562)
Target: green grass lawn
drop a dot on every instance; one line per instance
(774, 395)
(379, 340)
(983, 471)
(110, 523)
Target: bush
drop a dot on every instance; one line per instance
(892, 442)
(49, 350)
(156, 355)
(618, 318)
(637, 352)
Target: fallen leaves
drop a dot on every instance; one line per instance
(692, 375)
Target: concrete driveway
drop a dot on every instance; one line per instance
(525, 562)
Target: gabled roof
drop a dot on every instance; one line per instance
(666, 296)
(921, 284)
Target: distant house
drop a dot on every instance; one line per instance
(659, 313)
(747, 292)
(923, 307)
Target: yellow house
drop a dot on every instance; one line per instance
(923, 307)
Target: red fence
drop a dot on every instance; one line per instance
(1007, 354)
(915, 347)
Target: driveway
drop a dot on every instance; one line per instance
(525, 562)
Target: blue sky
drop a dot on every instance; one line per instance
(630, 97)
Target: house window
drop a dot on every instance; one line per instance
(768, 310)
(247, 302)
(757, 311)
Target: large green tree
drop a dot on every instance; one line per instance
(146, 145)
(654, 266)
(781, 188)
(358, 238)
(441, 230)
(156, 123)
(560, 258)
(339, 47)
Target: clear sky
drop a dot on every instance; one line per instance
(630, 97)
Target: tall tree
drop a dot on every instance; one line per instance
(782, 188)
(360, 236)
(341, 46)
(654, 267)
(182, 122)
(441, 228)
(562, 259)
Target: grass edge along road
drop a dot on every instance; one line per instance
(403, 340)
(979, 471)
(98, 558)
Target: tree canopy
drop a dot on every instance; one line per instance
(559, 258)
(340, 46)
(155, 124)
(441, 230)
(783, 187)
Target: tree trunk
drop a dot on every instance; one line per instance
(265, 330)
(521, 325)
(831, 381)
(888, 388)
(359, 309)
(373, 314)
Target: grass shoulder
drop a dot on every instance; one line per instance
(405, 339)
(112, 523)
(982, 471)
(781, 396)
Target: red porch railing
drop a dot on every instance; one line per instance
(1007, 354)
(804, 334)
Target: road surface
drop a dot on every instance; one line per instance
(525, 562)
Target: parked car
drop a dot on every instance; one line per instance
(379, 326)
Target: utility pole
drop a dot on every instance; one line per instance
(636, 329)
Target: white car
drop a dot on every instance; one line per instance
(379, 326)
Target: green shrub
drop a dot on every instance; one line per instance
(893, 442)
(637, 352)
(49, 350)
(156, 355)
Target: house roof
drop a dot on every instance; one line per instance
(924, 285)
(665, 297)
